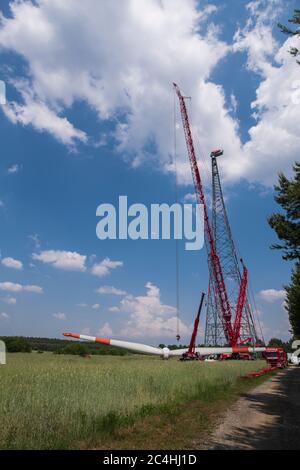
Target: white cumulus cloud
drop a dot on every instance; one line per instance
(13, 169)
(41, 117)
(275, 138)
(96, 306)
(12, 263)
(149, 317)
(105, 330)
(272, 295)
(66, 260)
(154, 42)
(110, 290)
(114, 309)
(33, 288)
(105, 267)
(120, 59)
(15, 287)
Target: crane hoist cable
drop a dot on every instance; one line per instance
(256, 317)
(176, 241)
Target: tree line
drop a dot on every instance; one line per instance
(23, 344)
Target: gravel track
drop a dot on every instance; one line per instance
(267, 418)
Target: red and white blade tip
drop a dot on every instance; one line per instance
(72, 335)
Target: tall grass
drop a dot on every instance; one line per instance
(50, 402)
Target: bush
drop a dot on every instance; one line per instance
(75, 349)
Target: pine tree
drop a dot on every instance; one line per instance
(293, 301)
(292, 32)
(287, 227)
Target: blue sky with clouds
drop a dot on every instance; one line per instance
(89, 117)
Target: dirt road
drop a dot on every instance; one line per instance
(266, 418)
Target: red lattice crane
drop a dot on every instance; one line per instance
(244, 329)
(240, 306)
(222, 259)
(191, 352)
(213, 258)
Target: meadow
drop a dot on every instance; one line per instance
(53, 402)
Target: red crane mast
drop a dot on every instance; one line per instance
(191, 352)
(244, 329)
(214, 261)
(240, 306)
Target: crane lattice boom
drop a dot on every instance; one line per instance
(215, 265)
(244, 329)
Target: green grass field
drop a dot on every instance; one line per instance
(54, 402)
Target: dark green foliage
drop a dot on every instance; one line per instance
(287, 226)
(77, 349)
(59, 346)
(16, 344)
(292, 32)
(278, 343)
(293, 301)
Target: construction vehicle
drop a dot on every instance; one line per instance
(225, 357)
(191, 353)
(276, 358)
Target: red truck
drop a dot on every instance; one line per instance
(235, 356)
(276, 357)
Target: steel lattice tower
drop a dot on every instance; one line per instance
(214, 331)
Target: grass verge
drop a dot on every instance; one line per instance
(176, 426)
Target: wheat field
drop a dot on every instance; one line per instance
(52, 402)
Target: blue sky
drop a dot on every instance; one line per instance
(89, 117)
